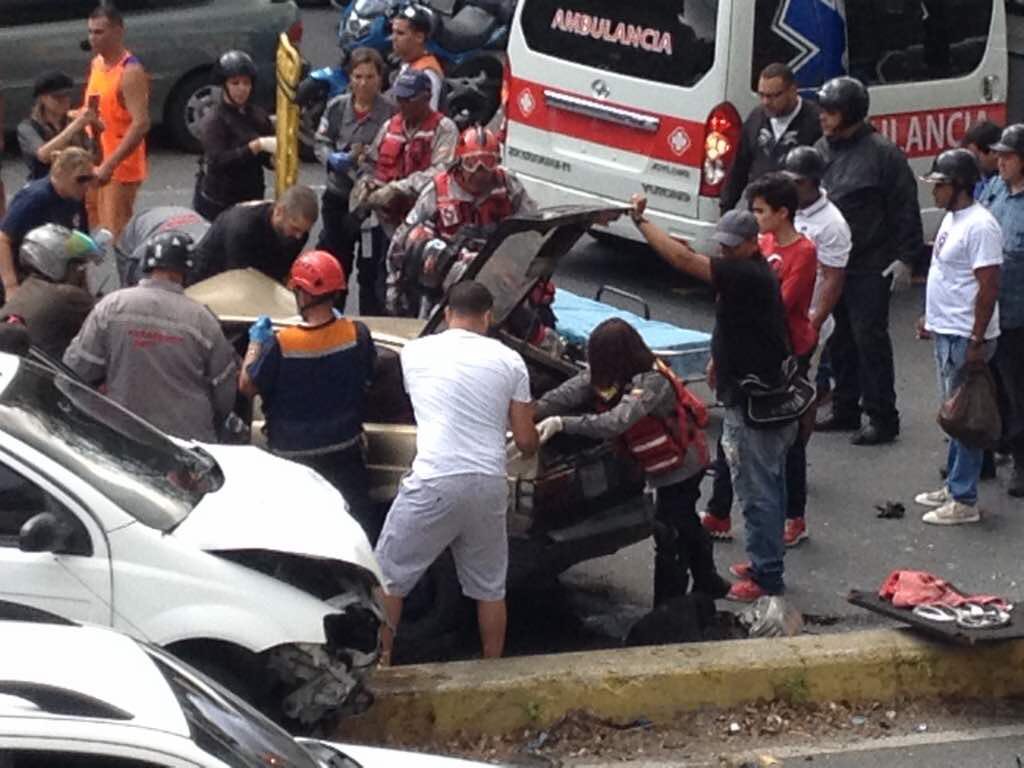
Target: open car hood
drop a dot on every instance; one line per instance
(272, 504)
(525, 249)
(242, 295)
(521, 251)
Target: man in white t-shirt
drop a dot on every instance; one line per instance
(962, 313)
(467, 390)
(823, 224)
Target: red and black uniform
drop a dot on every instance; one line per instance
(659, 423)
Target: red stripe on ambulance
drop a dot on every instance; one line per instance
(927, 133)
(676, 140)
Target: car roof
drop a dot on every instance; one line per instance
(71, 665)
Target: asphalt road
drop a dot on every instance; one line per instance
(848, 546)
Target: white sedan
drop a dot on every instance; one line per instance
(246, 565)
(78, 696)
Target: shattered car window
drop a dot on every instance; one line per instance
(133, 464)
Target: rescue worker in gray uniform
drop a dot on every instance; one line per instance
(161, 355)
(131, 245)
(52, 302)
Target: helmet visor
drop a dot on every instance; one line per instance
(473, 163)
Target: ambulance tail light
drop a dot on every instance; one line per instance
(721, 142)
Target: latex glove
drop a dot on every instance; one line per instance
(548, 428)
(261, 331)
(339, 162)
(900, 273)
(268, 144)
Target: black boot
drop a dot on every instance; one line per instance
(671, 577)
(1016, 485)
(700, 553)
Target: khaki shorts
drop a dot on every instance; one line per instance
(464, 512)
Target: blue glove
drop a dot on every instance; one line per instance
(261, 331)
(339, 162)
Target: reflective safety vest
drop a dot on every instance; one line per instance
(454, 213)
(399, 156)
(660, 445)
(427, 61)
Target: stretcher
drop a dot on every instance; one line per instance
(686, 351)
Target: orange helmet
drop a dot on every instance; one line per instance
(478, 147)
(317, 273)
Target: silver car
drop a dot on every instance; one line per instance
(178, 42)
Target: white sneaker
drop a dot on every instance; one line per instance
(952, 512)
(934, 498)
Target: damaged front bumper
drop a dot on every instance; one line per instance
(320, 680)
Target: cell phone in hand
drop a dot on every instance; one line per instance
(94, 102)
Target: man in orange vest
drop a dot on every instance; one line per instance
(118, 89)
(410, 31)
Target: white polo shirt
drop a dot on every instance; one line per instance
(461, 385)
(823, 224)
(967, 240)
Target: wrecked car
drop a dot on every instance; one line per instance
(579, 499)
(244, 564)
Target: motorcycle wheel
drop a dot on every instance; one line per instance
(474, 93)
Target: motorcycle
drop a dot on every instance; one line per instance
(469, 41)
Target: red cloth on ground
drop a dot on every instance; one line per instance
(905, 589)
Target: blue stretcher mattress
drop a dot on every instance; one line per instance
(686, 351)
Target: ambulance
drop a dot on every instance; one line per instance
(606, 98)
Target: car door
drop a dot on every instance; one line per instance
(75, 582)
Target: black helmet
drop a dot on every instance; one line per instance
(419, 17)
(804, 163)
(235, 64)
(957, 167)
(845, 95)
(1012, 140)
(168, 250)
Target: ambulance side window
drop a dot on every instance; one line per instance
(905, 41)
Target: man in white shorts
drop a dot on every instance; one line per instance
(467, 390)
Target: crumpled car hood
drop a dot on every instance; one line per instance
(272, 504)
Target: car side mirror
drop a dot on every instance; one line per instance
(42, 533)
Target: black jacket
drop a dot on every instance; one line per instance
(233, 174)
(759, 153)
(870, 181)
(243, 237)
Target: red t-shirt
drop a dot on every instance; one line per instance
(796, 266)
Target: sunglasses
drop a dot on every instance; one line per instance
(474, 163)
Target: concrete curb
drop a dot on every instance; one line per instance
(477, 698)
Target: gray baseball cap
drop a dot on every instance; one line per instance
(735, 227)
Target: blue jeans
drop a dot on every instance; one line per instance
(963, 464)
(757, 464)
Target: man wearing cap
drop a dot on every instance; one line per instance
(962, 314)
(750, 338)
(1004, 197)
(410, 30)
(411, 149)
(160, 354)
(50, 127)
(55, 199)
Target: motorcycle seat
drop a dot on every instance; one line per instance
(467, 30)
